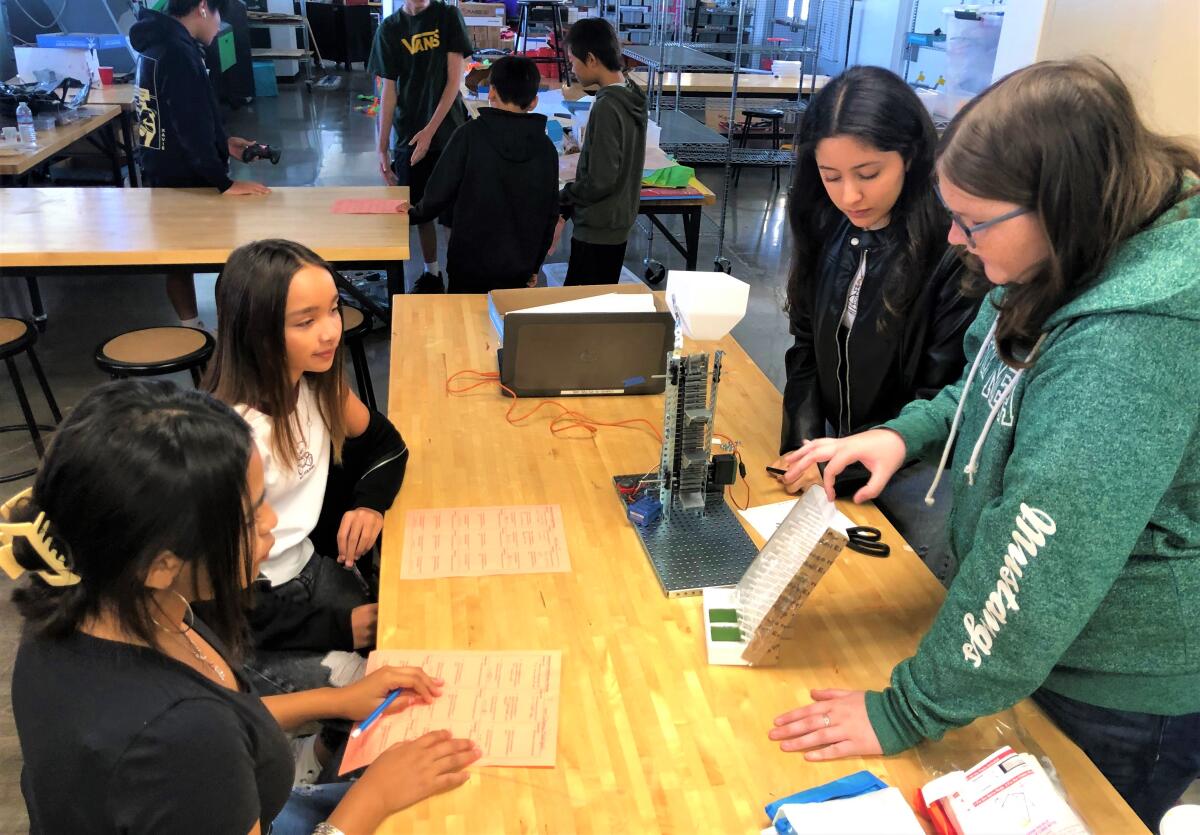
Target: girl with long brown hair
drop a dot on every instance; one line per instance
(279, 363)
(1075, 472)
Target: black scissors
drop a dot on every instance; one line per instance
(867, 540)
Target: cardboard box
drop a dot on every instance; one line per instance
(485, 22)
(486, 37)
(501, 302)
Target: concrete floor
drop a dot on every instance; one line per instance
(326, 142)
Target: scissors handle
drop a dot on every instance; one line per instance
(867, 540)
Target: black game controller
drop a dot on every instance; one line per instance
(261, 151)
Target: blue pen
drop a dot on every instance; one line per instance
(375, 714)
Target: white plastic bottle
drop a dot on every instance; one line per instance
(25, 129)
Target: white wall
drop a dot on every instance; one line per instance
(1153, 44)
(873, 32)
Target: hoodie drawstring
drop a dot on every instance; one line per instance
(962, 399)
(973, 464)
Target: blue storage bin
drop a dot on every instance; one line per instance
(264, 79)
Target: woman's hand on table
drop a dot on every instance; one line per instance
(243, 188)
(835, 725)
(357, 700)
(881, 451)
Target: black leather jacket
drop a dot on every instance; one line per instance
(854, 379)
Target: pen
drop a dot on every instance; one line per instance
(375, 714)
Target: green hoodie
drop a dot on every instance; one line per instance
(608, 181)
(1078, 529)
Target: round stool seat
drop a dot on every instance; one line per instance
(763, 112)
(150, 351)
(354, 324)
(15, 336)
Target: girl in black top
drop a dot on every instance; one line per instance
(873, 296)
(132, 714)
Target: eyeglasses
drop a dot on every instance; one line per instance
(969, 232)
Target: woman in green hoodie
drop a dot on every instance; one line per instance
(1076, 473)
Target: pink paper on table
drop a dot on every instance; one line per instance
(505, 702)
(366, 207)
(474, 541)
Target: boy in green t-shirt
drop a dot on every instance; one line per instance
(418, 55)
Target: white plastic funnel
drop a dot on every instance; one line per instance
(707, 305)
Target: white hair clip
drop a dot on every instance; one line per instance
(35, 533)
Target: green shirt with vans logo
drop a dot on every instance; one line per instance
(411, 51)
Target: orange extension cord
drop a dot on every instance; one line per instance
(568, 419)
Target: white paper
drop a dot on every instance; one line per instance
(604, 303)
(882, 812)
(766, 517)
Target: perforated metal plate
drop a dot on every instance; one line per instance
(690, 552)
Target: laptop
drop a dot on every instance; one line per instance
(569, 354)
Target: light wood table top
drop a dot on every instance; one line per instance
(57, 139)
(86, 227)
(721, 83)
(118, 94)
(651, 738)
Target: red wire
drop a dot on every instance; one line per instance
(572, 419)
(565, 421)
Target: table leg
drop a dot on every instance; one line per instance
(114, 154)
(127, 137)
(691, 236)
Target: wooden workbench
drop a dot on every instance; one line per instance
(148, 229)
(750, 85)
(651, 738)
(53, 141)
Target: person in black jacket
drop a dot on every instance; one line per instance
(499, 176)
(181, 142)
(874, 295)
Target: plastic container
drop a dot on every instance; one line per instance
(972, 37)
(25, 130)
(264, 79)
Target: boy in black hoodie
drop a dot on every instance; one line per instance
(607, 189)
(500, 175)
(180, 140)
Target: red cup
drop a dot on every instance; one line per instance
(106, 75)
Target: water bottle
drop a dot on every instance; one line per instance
(25, 129)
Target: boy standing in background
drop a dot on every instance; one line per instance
(499, 177)
(603, 199)
(418, 55)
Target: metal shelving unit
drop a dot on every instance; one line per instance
(690, 140)
(302, 54)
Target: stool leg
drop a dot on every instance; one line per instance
(41, 378)
(522, 43)
(366, 387)
(195, 372)
(25, 410)
(35, 303)
(564, 68)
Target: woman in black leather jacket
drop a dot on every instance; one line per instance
(873, 296)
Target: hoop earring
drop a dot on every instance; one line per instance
(189, 617)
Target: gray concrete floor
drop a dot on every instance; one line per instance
(326, 142)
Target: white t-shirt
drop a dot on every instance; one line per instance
(851, 311)
(296, 492)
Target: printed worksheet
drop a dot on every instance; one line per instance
(474, 541)
(505, 702)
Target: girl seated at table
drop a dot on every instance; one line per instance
(132, 713)
(874, 295)
(280, 363)
(1076, 472)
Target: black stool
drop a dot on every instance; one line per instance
(18, 336)
(355, 328)
(771, 115)
(149, 352)
(557, 9)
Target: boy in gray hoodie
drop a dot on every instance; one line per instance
(603, 199)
